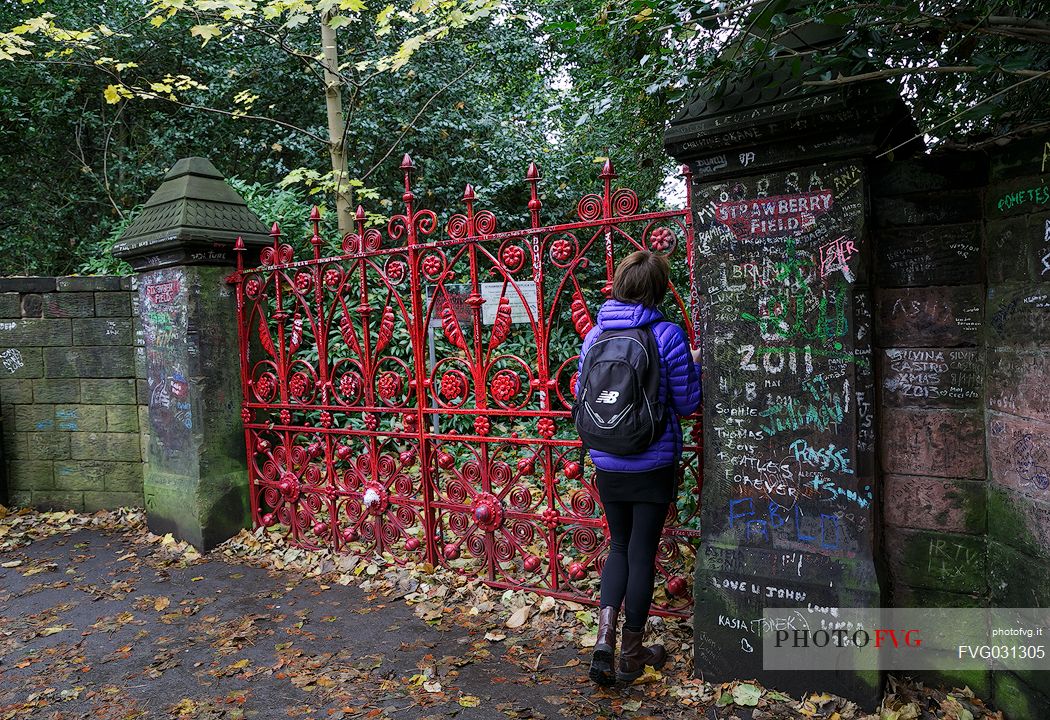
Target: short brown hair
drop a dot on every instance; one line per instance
(641, 278)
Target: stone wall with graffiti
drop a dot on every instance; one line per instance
(788, 484)
(1017, 402)
(962, 327)
(928, 241)
(71, 402)
(877, 384)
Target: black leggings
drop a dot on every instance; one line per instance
(627, 578)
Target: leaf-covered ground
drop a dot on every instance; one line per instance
(101, 619)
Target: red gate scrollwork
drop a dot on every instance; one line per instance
(410, 396)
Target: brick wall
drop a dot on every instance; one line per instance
(1017, 312)
(929, 364)
(70, 405)
(928, 247)
(962, 253)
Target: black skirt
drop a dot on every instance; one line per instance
(655, 486)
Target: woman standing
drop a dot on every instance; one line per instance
(637, 469)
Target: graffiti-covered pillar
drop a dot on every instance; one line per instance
(181, 244)
(789, 498)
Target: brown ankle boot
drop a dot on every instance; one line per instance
(605, 649)
(634, 656)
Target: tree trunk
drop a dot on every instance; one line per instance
(336, 126)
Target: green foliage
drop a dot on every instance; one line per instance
(100, 260)
(973, 72)
(98, 100)
(474, 105)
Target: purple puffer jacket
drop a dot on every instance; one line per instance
(679, 383)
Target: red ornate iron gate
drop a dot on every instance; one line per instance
(411, 396)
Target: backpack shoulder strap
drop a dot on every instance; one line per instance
(652, 380)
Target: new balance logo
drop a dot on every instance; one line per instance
(607, 397)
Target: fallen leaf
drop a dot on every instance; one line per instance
(571, 663)
(470, 701)
(161, 603)
(649, 675)
(519, 617)
(185, 707)
(746, 694)
(37, 570)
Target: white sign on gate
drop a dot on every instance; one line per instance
(519, 312)
(456, 294)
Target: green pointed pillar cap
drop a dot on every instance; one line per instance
(193, 218)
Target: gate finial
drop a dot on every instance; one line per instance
(315, 240)
(532, 176)
(275, 233)
(359, 219)
(407, 167)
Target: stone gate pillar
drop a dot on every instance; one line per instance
(789, 499)
(195, 484)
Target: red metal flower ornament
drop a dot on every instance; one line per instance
(452, 386)
(389, 385)
(505, 385)
(661, 239)
(561, 250)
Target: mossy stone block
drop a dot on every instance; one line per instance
(56, 390)
(34, 418)
(36, 333)
(1020, 521)
(122, 418)
(48, 445)
(105, 446)
(108, 391)
(113, 304)
(58, 500)
(31, 475)
(21, 362)
(937, 560)
(16, 391)
(102, 331)
(1017, 579)
(69, 305)
(10, 305)
(1018, 700)
(95, 500)
(90, 362)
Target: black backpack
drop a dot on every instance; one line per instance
(617, 410)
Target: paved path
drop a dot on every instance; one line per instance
(92, 627)
(98, 624)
